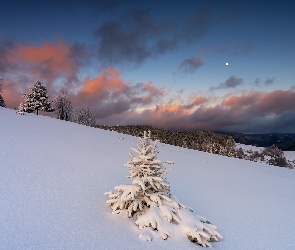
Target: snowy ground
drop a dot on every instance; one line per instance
(290, 155)
(53, 175)
(249, 147)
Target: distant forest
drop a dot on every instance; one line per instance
(284, 141)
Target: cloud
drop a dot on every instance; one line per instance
(99, 6)
(108, 95)
(133, 37)
(254, 112)
(197, 101)
(49, 62)
(242, 49)
(191, 64)
(257, 81)
(221, 48)
(275, 103)
(243, 101)
(268, 81)
(12, 94)
(138, 34)
(116, 101)
(5, 48)
(201, 20)
(235, 49)
(231, 82)
(55, 64)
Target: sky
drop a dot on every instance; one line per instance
(161, 63)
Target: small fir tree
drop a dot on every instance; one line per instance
(21, 109)
(2, 102)
(85, 117)
(149, 200)
(63, 108)
(37, 99)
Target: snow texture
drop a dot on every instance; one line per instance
(53, 175)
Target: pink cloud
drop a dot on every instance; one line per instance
(250, 112)
(276, 102)
(108, 81)
(108, 94)
(23, 64)
(46, 62)
(242, 101)
(260, 103)
(12, 94)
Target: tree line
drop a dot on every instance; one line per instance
(38, 100)
(207, 141)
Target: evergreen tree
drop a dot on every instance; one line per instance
(149, 200)
(85, 117)
(63, 107)
(21, 109)
(2, 102)
(37, 99)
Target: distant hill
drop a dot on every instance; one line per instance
(284, 141)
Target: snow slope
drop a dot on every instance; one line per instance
(53, 175)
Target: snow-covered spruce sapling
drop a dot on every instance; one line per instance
(148, 199)
(37, 99)
(21, 109)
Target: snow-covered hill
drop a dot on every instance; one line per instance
(53, 175)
